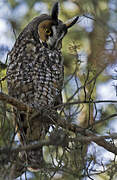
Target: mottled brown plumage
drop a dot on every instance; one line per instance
(35, 77)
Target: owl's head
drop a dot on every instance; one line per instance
(51, 30)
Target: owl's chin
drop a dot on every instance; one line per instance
(54, 46)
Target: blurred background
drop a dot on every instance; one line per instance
(90, 51)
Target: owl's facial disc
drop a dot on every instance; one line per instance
(51, 34)
(55, 39)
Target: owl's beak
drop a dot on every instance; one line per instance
(55, 45)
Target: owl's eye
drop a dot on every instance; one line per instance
(48, 32)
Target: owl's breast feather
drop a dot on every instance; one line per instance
(36, 74)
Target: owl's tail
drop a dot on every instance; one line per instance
(30, 133)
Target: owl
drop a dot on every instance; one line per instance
(35, 76)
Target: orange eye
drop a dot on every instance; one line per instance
(48, 31)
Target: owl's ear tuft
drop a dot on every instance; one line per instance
(55, 11)
(71, 22)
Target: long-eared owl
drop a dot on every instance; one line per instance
(35, 76)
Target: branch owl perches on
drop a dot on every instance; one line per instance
(35, 77)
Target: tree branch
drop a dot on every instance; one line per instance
(14, 102)
(60, 122)
(24, 107)
(82, 139)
